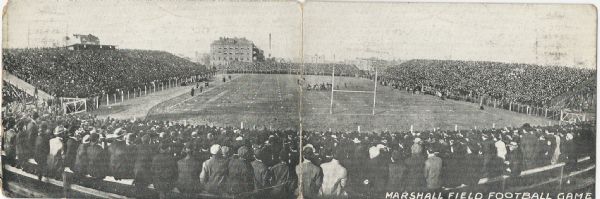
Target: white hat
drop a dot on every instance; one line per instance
(86, 139)
(308, 146)
(215, 149)
(59, 130)
(374, 152)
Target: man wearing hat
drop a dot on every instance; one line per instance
(121, 155)
(240, 176)
(335, 176)
(415, 178)
(514, 159)
(214, 171)
(311, 175)
(97, 158)
(396, 172)
(433, 169)
(55, 153)
(9, 146)
(529, 147)
(262, 176)
(282, 181)
(188, 179)
(164, 170)
(142, 167)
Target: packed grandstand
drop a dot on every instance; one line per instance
(210, 161)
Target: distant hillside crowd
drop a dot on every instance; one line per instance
(291, 68)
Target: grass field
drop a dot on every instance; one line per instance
(272, 101)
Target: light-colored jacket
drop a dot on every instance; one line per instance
(333, 175)
(501, 149)
(433, 168)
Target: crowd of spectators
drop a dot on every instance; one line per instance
(263, 163)
(271, 67)
(528, 84)
(84, 73)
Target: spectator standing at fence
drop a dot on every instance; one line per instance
(24, 148)
(81, 160)
(121, 153)
(335, 176)
(188, 179)
(529, 146)
(72, 144)
(433, 168)
(143, 164)
(240, 176)
(500, 147)
(98, 158)
(9, 146)
(192, 92)
(214, 171)
(311, 175)
(164, 170)
(396, 172)
(281, 178)
(375, 168)
(489, 152)
(56, 154)
(32, 128)
(514, 159)
(415, 178)
(262, 175)
(42, 152)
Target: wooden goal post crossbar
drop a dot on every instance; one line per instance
(351, 91)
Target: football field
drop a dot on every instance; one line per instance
(274, 101)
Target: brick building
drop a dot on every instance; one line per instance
(227, 50)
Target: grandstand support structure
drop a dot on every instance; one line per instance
(571, 117)
(333, 90)
(73, 105)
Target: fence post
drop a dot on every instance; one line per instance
(503, 183)
(411, 128)
(562, 168)
(122, 96)
(510, 106)
(145, 91)
(546, 113)
(107, 99)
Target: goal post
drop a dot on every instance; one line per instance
(333, 90)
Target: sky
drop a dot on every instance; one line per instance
(178, 26)
(549, 34)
